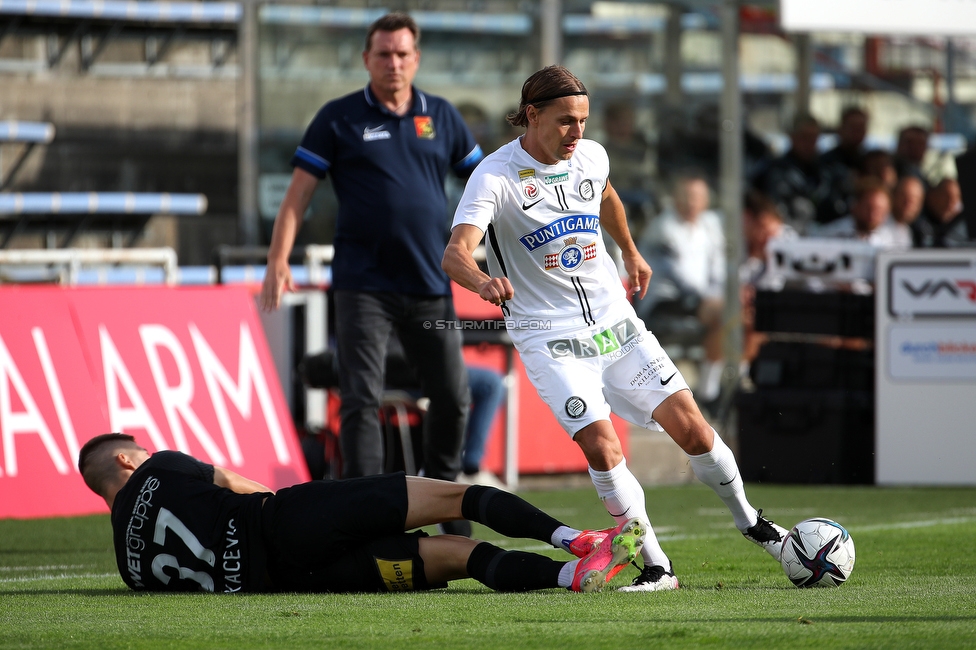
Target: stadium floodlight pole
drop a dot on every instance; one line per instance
(730, 196)
(247, 128)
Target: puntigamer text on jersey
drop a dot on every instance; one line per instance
(562, 226)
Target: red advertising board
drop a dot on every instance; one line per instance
(178, 368)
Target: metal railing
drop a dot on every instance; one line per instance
(66, 263)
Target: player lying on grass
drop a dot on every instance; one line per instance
(182, 525)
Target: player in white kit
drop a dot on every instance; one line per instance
(543, 200)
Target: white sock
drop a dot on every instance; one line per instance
(563, 535)
(623, 497)
(718, 470)
(566, 574)
(710, 381)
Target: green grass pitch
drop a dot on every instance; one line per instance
(913, 586)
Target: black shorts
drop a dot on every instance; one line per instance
(338, 536)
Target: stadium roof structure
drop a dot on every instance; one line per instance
(72, 212)
(167, 12)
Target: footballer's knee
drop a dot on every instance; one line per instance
(683, 421)
(600, 445)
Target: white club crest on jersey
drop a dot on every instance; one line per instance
(586, 190)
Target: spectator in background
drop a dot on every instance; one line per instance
(942, 224)
(844, 163)
(761, 222)
(388, 149)
(851, 132)
(913, 143)
(802, 188)
(632, 162)
(685, 246)
(906, 205)
(878, 164)
(487, 393)
(870, 219)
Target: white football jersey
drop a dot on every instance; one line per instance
(542, 225)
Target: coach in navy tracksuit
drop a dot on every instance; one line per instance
(388, 148)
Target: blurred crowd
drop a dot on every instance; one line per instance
(852, 192)
(887, 198)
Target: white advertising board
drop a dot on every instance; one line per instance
(925, 354)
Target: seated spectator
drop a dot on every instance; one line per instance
(761, 222)
(870, 219)
(804, 190)
(685, 247)
(879, 164)
(851, 132)
(843, 163)
(906, 205)
(487, 392)
(913, 143)
(942, 224)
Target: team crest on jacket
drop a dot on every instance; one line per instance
(570, 256)
(424, 125)
(586, 190)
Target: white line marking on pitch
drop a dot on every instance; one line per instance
(59, 577)
(50, 567)
(926, 523)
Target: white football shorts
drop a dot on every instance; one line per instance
(584, 373)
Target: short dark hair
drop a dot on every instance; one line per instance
(392, 22)
(852, 110)
(803, 119)
(93, 458)
(867, 186)
(544, 86)
(89, 447)
(757, 203)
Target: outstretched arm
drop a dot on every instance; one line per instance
(459, 264)
(237, 483)
(613, 219)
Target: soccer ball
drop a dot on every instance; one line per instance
(818, 553)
